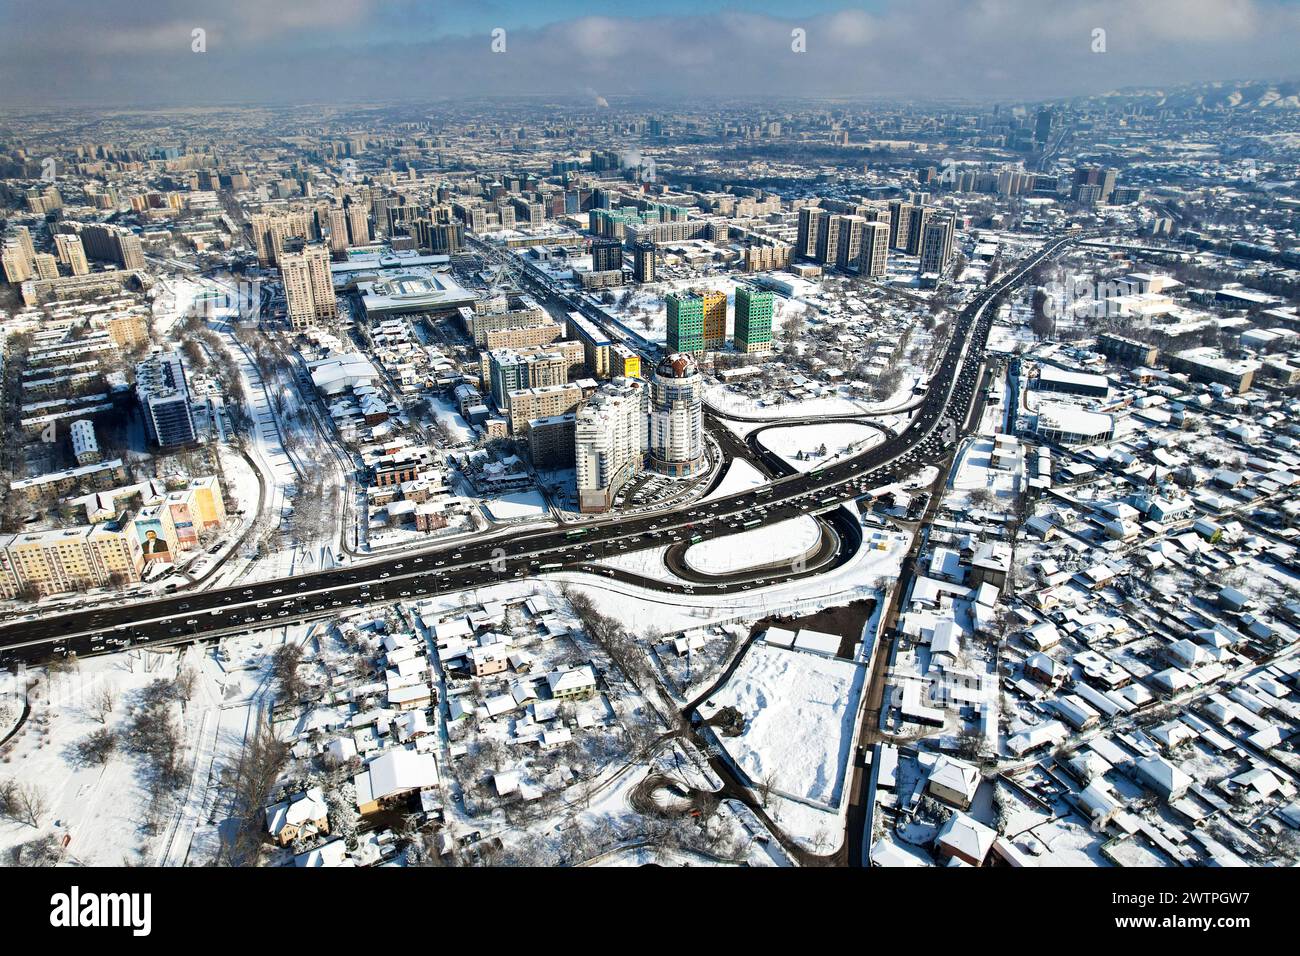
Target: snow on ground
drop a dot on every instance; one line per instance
(799, 711)
(447, 414)
(836, 438)
(783, 541)
(100, 808)
(975, 472)
(519, 504)
(875, 565)
(741, 476)
(648, 563)
(730, 402)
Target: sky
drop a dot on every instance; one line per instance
(126, 53)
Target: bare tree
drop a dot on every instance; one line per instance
(284, 665)
(183, 683)
(30, 804)
(249, 787)
(103, 702)
(97, 746)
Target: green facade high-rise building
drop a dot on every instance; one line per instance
(685, 323)
(753, 320)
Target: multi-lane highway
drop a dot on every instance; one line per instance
(503, 556)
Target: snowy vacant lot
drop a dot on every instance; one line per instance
(810, 440)
(783, 541)
(741, 476)
(519, 504)
(799, 711)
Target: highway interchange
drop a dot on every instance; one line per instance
(502, 556)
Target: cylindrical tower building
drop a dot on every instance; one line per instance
(677, 417)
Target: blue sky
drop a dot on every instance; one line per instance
(129, 52)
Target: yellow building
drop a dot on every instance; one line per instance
(128, 330)
(715, 319)
(625, 362)
(207, 502)
(71, 559)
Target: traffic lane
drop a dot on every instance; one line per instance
(549, 541)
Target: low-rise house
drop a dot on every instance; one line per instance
(303, 815)
(964, 838)
(576, 682)
(954, 781)
(1163, 777)
(393, 775)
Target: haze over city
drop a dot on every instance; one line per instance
(120, 53)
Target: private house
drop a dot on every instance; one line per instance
(954, 782)
(393, 775)
(576, 682)
(487, 659)
(966, 839)
(1163, 777)
(303, 815)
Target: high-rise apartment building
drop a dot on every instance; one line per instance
(609, 442)
(873, 255)
(715, 319)
(606, 255)
(308, 285)
(164, 397)
(936, 243)
(113, 244)
(337, 220)
(643, 261)
(358, 223)
(677, 417)
(72, 252)
(18, 266)
(753, 320)
(685, 322)
(812, 221)
(272, 230)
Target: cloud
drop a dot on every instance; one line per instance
(121, 52)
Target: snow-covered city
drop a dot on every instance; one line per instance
(533, 476)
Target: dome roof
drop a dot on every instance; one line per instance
(677, 365)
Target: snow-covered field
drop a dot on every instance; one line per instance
(741, 476)
(799, 711)
(810, 441)
(519, 504)
(647, 563)
(783, 541)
